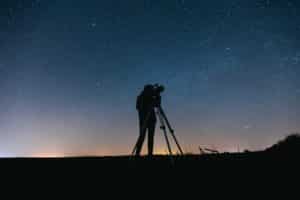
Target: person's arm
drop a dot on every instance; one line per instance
(138, 102)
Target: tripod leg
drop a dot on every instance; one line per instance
(163, 127)
(177, 143)
(170, 129)
(165, 118)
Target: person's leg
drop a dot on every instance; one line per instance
(143, 129)
(139, 143)
(151, 132)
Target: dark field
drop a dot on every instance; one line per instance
(277, 166)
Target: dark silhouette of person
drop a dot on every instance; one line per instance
(145, 105)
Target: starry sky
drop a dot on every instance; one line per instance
(70, 72)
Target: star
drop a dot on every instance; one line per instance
(247, 127)
(93, 25)
(98, 84)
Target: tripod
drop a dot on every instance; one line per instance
(163, 122)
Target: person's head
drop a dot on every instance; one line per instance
(148, 88)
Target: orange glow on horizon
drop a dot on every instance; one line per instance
(160, 149)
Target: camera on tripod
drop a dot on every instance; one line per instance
(157, 89)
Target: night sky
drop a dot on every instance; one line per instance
(70, 72)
